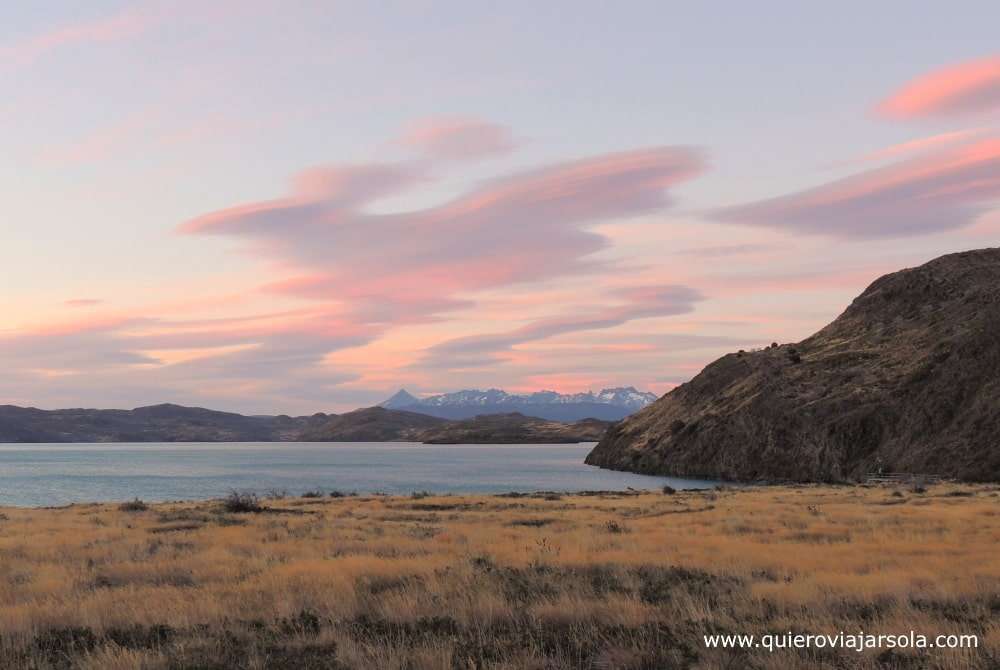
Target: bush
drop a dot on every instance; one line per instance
(313, 494)
(669, 490)
(616, 528)
(133, 506)
(240, 502)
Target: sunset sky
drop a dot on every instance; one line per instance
(303, 206)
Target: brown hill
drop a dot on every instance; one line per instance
(908, 377)
(514, 428)
(372, 424)
(174, 423)
(156, 423)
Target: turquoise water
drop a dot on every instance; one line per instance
(57, 474)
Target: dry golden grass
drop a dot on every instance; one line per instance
(582, 581)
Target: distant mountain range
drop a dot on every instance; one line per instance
(155, 423)
(176, 423)
(611, 404)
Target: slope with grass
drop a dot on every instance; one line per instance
(606, 580)
(514, 428)
(372, 424)
(907, 377)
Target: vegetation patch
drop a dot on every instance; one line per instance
(595, 581)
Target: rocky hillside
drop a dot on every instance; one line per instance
(514, 429)
(907, 377)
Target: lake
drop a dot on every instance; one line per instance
(57, 474)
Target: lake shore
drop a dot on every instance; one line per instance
(607, 580)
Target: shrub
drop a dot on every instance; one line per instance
(133, 506)
(239, 502)
(669, 490)
(313, 494)
(616, 528)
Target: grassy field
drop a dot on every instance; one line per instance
(543, 581)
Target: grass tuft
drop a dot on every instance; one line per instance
(242, 502)
(135, 505)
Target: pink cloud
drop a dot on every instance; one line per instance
(970, 87)
(122, 25)
(365, 274)
(83, 302)
(943, 191)
(922, 145)
(639, 303)
(382, 271)
(459, 139)
(525, 227)
(276, 360)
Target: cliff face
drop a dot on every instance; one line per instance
(908, 375)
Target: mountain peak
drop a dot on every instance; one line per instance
(402, 398)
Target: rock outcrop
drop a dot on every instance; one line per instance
(906, 379)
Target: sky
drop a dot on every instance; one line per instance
(292, 207)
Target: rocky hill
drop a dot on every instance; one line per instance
(908, 377)
(514, 428)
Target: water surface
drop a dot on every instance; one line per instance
(57, 474)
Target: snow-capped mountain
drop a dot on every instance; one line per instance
(608, 404)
